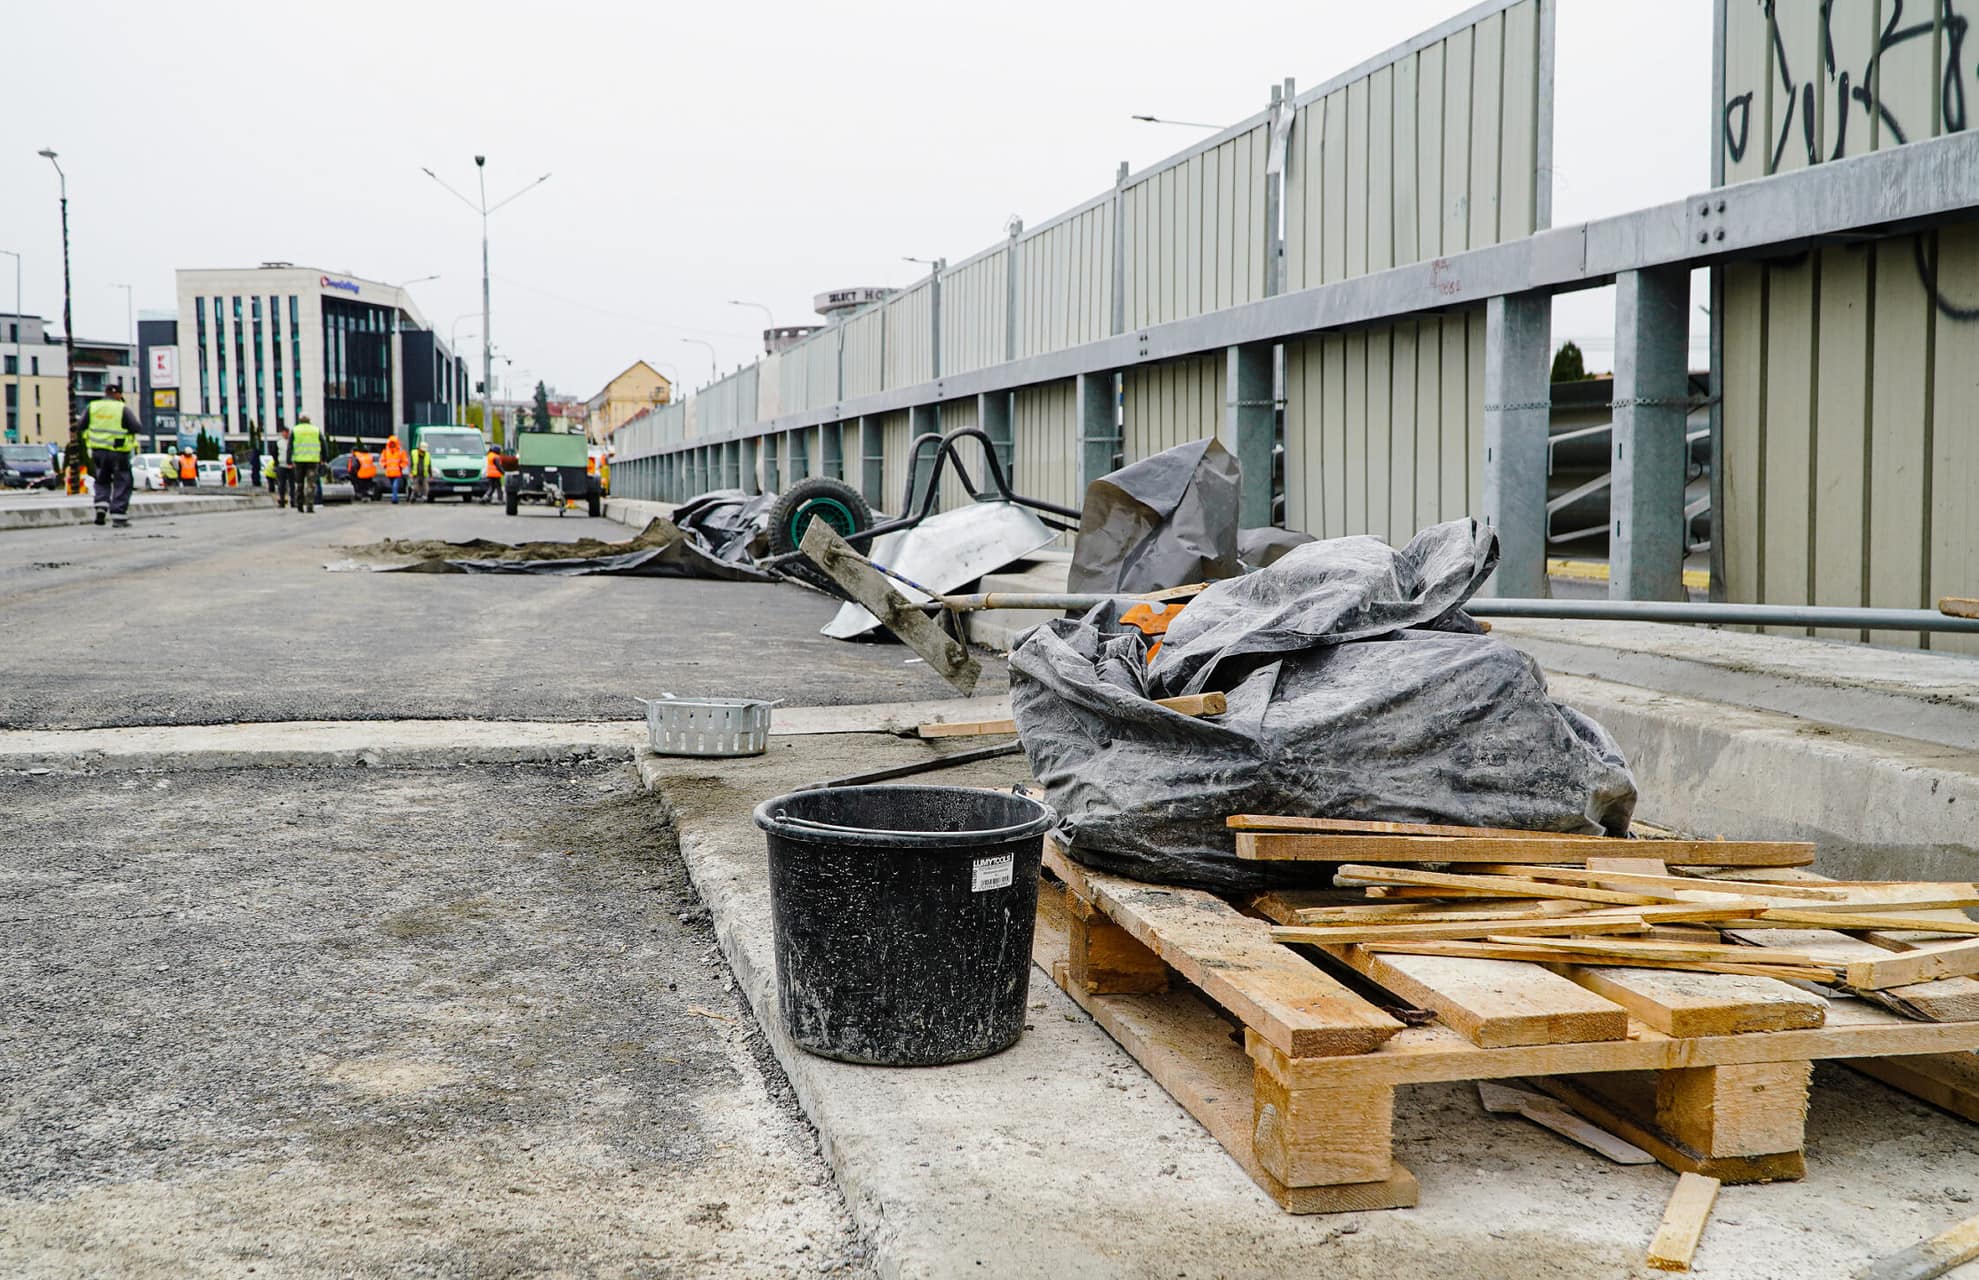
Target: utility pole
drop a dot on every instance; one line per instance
(68, 318)
(487, 331)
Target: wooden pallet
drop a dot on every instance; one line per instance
(1294, 1071)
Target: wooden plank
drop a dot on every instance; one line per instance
(1626, 1103)
(1931, 1258)
(1820, 918)
(896, 613)
(1493, 1003)
(1371, 826)
(1940, 1000)
(1948, 960)
(1646, 948)
(1187, 1048)
(1342, 934)
(1521, 886)
(1549, 1113)
(1679, 1003)
(1948, 1080)
(1104, 958)
(1558, 960)
(1194, 704)
(1683, 1222)
(1297, 1007)
(1610, 876)
(1420, 1055)
(1288, 847)
(1433, 911)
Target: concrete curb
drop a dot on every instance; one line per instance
(69, 513)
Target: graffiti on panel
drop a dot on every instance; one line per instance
(1846, 91)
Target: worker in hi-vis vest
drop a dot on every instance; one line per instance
(110, 434)
(306, 450)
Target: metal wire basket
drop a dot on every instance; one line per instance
(708, 726)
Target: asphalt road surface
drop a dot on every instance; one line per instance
(454, 1022)
(217, 619)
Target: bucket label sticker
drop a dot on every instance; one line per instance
(993, 873)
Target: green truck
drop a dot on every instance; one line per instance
(552, 467)
(460, 458)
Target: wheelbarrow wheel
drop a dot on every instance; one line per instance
(833, 501)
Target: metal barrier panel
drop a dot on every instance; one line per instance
(1163, 405)
(1384, 429)
(1045, 464)
(1193, 231)
(863, 359)
(691, 424)
(1436, 147)
(1849, 434)
(895, 436)
(821, 369)
(1065, 280)
(959, 415)
(975, 311)
(910, 335)
(769, 388)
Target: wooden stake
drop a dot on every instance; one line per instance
(1949, 960)
(1194, 704)
(1683, 1222)
(1930, 1258)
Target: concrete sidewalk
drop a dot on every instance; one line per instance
(42, 511)
(1061, 1157)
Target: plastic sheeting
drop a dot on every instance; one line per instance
(1357, 687)
(660, 550)
(1165, 521)
(727, 522)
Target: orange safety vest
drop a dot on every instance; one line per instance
(394, 460)
(188, 468)
(363, 465)
(494, 471)
(233, 471)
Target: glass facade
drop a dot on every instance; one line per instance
(199, 321)
(275, 356)
(295, 349)
(357, 370)
(220, 357)
(240, 372)
(260, 361)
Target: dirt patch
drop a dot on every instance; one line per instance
(358, 1022)
(659, 532)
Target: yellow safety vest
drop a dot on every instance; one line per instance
(305, 442)
(105, 429)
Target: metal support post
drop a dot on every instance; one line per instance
(1518, 396)
(1250, 424)
(872, 461)
(800, 456)
(923, 419)
(732, 465)
(831, 450)
(773, 463)
(1097, 414)
(994, 415)
(1651, 405)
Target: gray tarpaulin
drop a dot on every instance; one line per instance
(1357, 688)
(660, 550)
(1165, 521)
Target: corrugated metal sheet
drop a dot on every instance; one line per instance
(1850, 437)
(975, 309)
(1164, 405)
(1384, 429)
(864, 354)
(1433, 151)
(1194, 232)
(1046, 461)
(910, 335)
(821, 355)
(769, 387)
(895, 436)
(1065, 281)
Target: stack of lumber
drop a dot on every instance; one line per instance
(1671, 993)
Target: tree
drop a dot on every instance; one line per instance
(542, 407)
(206, 448)
(1568, 366)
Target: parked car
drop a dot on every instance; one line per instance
(212, 472)
(28, 466)
(148, 470)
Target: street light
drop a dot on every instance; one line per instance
(453, 348)
(714, 372)
(1186, 124)
(487, 331)
(68, 317)
(13, 433)
(769, 318)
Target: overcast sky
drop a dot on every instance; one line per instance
(699, 152)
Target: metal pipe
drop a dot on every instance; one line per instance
(1730, 615)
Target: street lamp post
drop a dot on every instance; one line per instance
(487, 330)
(13, 433)
(769, 318)
(68, 319)
(453, 339)
(714, 370)
(1186, 124)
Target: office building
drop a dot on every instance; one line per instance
(261, 346)
(33, 374)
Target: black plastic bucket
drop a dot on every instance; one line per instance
(903, 919)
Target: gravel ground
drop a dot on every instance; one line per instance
(222, 619)
(464, 1022)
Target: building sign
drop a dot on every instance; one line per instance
(165, 399)
(344, 286)
(164, 366)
